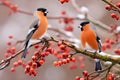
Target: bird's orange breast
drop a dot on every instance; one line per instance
(89, 37)
(42, 28)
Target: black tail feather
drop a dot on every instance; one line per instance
(98, 65)
(25, 50)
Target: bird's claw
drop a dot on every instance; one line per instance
(95, 54)
(85, 51)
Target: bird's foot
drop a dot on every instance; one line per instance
(45, 42)
(95, 54)
(85, 51)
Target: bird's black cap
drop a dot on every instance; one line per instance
(42, 9)
(84, 23)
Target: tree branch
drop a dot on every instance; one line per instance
(111, 4)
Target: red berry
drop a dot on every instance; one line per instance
(107, 40)
(67, 0)
(112, 42)
(64, 55)
(50, 50)
(77, 78)
(10, 36)
(73, 66)
(113, 15)
(62, 1)
(62, 47)
(8, 50)
(55, 63)
(29, 63)
(104, 47)
(34, 58)
(23, 64)
(12, 69)
(27, 67)
(32, 70)
(85, 73)
(108, 7)
(117, 17)
(34, 65)
(35, 73)
(68, 60)
(36, 46)
(64, 61)
(15, 64)
(108, 45)
(69, 28)
(118, 4)
(59, 56)
(42, 54)
(19, 62)
(8, 43)
(13, 49)
(63, 12)
(59, 43)
(60, 63)
(81, 58)
(41, 61)
(36, 53)
(82, 65)
(6, 55)
(73, 59)
(117, 51)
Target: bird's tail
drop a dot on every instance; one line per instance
(98, 65)
(27, 45)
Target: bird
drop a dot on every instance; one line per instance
(90, 38)
(37, 29)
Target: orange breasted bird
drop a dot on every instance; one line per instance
(37, 29)
(90, 38)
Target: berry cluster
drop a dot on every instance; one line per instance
(69, 22)
(108, 44)
(110, 7)
(10, 49)
(63, 1)
(85, 74)
(13, 7)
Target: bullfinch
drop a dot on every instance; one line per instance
(37, 29)
(90, 38)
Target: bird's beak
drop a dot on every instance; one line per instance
(46, 12)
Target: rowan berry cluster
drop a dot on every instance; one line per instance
(108, 45)
(110, 7)
(13, 7)
(10, 49)
(84, 77)
(68, 22)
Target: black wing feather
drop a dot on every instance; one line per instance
(34, 27)
(99, 43)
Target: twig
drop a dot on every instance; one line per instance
(104, 56)
(111, 4)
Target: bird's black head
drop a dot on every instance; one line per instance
(83, 24)
(43, 10)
